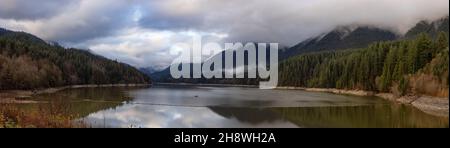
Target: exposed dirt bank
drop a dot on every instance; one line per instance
(431, 105)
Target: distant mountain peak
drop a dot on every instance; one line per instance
(150, 70)
(432, 28)
(2, 31)
(344, 31)
(440, 22)
(342, 37)
(59, 66)
(22, 35)
(53, 43)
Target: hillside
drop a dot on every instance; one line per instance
(399, 67)
(147, 70)
(348, 37)
(28, 62)
(340, 38)
(165, 76)
(2, 31)
(430, 28)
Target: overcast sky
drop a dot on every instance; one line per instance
(141, 32)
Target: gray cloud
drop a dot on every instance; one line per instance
(26, 9)
(289, 21)
(143, 47)
(104, 25)
(78, 22)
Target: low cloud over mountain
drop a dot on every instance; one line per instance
(141, 32)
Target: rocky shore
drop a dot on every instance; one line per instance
(436, 106)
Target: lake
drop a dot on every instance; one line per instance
(174, 106)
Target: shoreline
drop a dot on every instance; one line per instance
(206, 85)
(436, 106)
(20, 96)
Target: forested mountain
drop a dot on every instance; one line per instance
(410, 65)
(164, 75)
(2, 31)
(431, 28)
(161, 76)
(340, 38)
(401, 67)
(358, 37)
(28, 62)
(413, 66)
(148, 70)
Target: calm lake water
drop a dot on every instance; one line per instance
(235, 107)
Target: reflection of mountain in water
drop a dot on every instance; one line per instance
(382, 115)
(84, 101)
(249, 115)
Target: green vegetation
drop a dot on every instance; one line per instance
(27, 62)
(384, 67)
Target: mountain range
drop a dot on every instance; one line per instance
(340, 38)
(77, 66)
(344, 37)
(28, 62)
(431, 28)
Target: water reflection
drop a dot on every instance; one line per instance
(223, 117)
(242, 97)
(133, 115)
(186, 107)
(369, 116)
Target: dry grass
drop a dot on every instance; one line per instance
(429, 85)
(52, 115)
